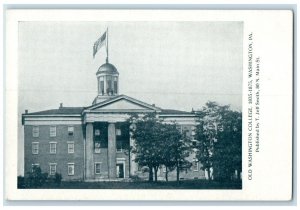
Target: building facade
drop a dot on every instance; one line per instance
(88, 143)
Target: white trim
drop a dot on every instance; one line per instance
(71, 164)
(52, 164)
(35, 143)
(49, 122)
(197, 165)
(122, 161)
(53, 143)
(69, 143)
(34, 164)
(95, 167)
(52, 131)
(37, 132)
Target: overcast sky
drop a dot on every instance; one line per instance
(175, 65)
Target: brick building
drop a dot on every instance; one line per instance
(87, 143)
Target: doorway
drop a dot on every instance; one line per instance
(120, 170)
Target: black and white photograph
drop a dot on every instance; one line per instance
(130, 105)
(148, 105)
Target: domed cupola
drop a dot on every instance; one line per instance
(108, 82)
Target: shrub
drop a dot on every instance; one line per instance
(21, 182)
(35, 178)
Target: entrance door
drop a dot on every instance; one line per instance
(120, 170)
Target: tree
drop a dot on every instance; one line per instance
(219, 135)
(147, 142)
(176, 149)
(158, 143)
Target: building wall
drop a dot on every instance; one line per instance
(62, 157)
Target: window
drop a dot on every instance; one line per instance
(97, 132)
(118, 132)
(71, 167)
(35, 148)
(52, 147)
(102, 85)
(119, 146)
(35, 131)
(70, 130)
(52, 131)
(97, 168)
(97, 147)
(71, 147)
(116, 87)
(195, 165)
(34, 166)
(52, 169)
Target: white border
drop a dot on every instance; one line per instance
(277, 98)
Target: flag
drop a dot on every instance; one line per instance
(99, 43)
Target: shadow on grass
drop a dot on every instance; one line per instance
(184, 184)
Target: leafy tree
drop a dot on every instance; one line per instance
(219, 135)
(146, 134)
(158, 143)
(176, 149)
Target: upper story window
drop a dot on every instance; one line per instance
(52, 131)
(35, 148)
(97, 147)
(52, 147)
(101, 85)
(118, 132)
(35, 131)
(71, 130)
(70, 147)
(97, 132)
(115, 85)
(119, 146)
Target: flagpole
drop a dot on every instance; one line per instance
(107, 45)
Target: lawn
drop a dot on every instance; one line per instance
(183, 184)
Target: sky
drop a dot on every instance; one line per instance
(174, 65)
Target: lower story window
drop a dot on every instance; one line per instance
(34, 166)
(119, 146)
(195, 165)
(97, 168)
(71, 167)
(52, 170)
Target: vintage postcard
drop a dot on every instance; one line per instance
(148, 105)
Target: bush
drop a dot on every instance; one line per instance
(57, 178)
(21, 182)
(35, 178)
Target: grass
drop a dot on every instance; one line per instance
(184, 184)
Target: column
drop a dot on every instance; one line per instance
(133, 164)
(89, 153)
(111, 159)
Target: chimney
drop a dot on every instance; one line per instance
(61, 105)
(26, 111)
(153, 104)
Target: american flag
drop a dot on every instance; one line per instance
(99, 43)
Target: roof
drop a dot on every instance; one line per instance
(173, 111)
(120, 97)
(60, 111)
(107, 68)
